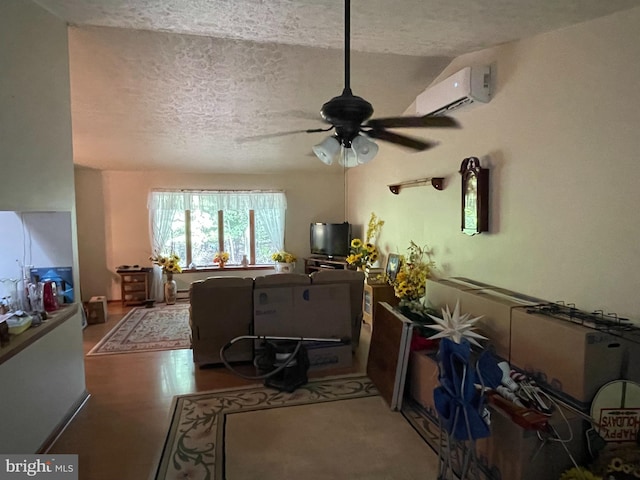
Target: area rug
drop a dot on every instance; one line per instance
(337, 428)
(165, 327)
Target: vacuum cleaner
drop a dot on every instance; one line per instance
(282, 362)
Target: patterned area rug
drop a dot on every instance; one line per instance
(147, 329)
(338, 428)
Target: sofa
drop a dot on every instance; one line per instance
(222, 308)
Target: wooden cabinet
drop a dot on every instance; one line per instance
(372, 295)
(134, 287)
(312, 264)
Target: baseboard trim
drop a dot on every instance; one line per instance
(64, 423)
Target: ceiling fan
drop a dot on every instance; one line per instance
(349, 116)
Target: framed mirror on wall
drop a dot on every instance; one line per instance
(475, 197)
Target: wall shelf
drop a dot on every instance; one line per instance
(435, 182)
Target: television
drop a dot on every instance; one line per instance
(330, 239)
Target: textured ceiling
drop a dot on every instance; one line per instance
(177, 84)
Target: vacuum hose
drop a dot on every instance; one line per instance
(289, 361)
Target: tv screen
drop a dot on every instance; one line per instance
(330, 239)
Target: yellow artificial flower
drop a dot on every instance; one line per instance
(361, 254)
(365, 254)
(373, 228)
(410, 282)
(221, 257)
(169, 264)
(283, 257)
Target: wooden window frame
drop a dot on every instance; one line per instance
(252, 235)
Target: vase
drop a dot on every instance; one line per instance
(170, 290)
(282, 267)
(221, 264)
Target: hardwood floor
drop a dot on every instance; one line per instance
(119, 432)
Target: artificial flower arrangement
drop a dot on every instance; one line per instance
(365, 254)
(362, 254)
(221, 258)
(169, 264)
(411, 280)
(283, 257)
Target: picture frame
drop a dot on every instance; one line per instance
(475, 197)
(394, 261)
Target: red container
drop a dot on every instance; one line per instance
(50, 296)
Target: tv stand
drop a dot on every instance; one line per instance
(314, 263)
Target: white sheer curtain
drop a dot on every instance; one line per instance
(269, 207)
(240, 200)
(162, 210)
(272, 220)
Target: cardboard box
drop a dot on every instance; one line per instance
(513, 453)
(328, 356)
(496, 310)
(272, 310)
(572, 360)
(441, 293)
(491, 303)
(97, 310)
(423, 379)
(323, 310)
(631, 356)
(320, 311)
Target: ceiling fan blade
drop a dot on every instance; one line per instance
(300, 114)
(409, 122)
(267, 136)
(403, 140)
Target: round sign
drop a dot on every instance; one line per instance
(616, 410)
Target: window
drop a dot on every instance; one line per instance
(196, 224)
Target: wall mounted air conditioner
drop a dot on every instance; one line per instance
(462, 89)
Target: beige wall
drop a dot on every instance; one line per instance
(561, 139)
(113, 215)
(35, 117)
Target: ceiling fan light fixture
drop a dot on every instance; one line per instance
(349, 158)
(364, 148)
(327, 149)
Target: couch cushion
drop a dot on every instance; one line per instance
(216, 282)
